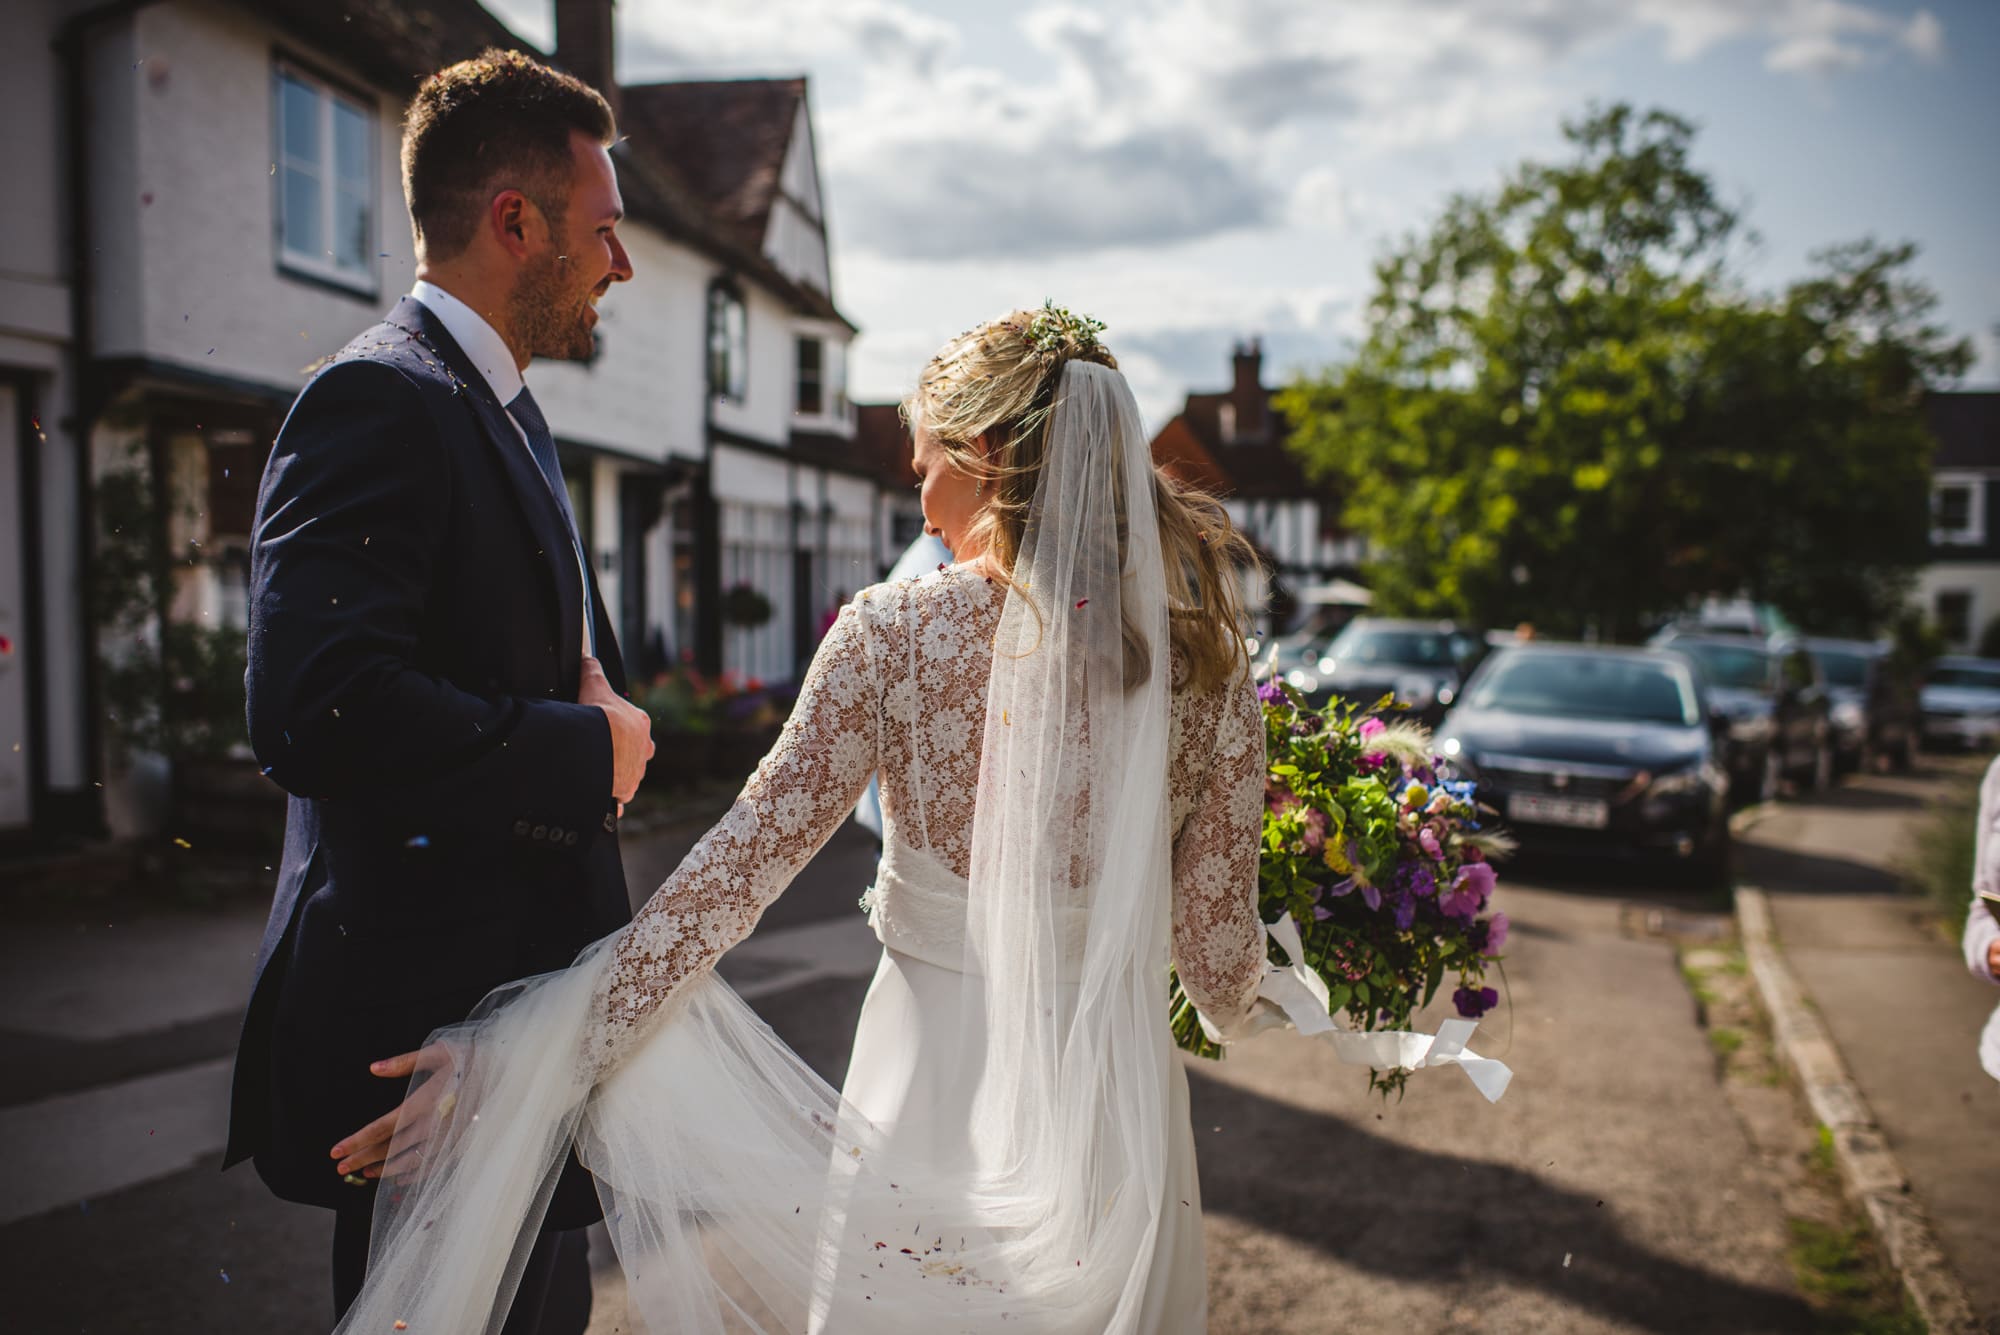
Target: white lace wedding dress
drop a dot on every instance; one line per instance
(1012, 1150)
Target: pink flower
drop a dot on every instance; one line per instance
(1470, 891)
(1369, 727)
(1428, 841)
(1496, 933)
(1316, 827)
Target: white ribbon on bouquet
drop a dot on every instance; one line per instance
(1298, 997)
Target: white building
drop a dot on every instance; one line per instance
(207, 204)
(1959, 588)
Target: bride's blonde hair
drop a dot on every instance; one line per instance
(996, 385)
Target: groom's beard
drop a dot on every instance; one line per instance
(548, 315)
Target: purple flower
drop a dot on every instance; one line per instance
(1496, 934)
(1470, 891)
(1473, 1004)
(1321, 913)
(1337, 890)
(1406, 911)
(1271, 692)
(1417, 879)
(1372, 897)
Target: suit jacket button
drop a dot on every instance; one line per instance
(555, 834)
(540, 832)
(569, 839)
(610, 823)
(520, 829)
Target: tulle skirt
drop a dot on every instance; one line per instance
(899, 1080)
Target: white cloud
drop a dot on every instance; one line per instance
(1925, 35)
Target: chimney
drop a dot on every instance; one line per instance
(585, 45)
(1246, 392)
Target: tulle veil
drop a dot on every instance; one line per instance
(740, 1193)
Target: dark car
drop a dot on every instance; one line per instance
(1873, 703)
(1961, 704)
(1422, 663)
(1592, 747)
(1775, 701)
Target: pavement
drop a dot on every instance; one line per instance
(1894, 995)
(1612, 1190)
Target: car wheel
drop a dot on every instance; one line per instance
(1822, 770)
(1709, 869)
(1772, 780)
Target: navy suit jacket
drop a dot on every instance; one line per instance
(414, 658)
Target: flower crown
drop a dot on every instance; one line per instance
(1055, 331)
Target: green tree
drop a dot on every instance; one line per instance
(1569, 409)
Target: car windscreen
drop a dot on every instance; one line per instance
(1984, 678)
(1841, 667)
(1732, 665)
(1362, 645)
(1589, 686)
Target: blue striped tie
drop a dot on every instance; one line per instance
(542, 444)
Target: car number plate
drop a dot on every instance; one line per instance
(1577, 812)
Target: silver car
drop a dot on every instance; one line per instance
(1961, 704)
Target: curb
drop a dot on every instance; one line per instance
(1868, 1167)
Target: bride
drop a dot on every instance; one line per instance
(1071, 760)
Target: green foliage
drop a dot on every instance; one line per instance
(1946, 846)
(170, 687)
(1568, 409)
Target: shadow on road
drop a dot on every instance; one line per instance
(1776, 868)
(1429, 1216)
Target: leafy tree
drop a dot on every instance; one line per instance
(1569, 409)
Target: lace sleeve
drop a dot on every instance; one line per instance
(1218, 937)
(798, 797)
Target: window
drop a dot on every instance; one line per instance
(1958, 512)
(811, 377)
(728, 345)
(1226, 419)
(1954, 615)
(325, 181)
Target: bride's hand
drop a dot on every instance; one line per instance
(367, 1151)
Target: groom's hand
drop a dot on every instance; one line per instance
(631, 731)
(366, 1152)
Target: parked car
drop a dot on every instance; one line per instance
(1594, 747)
(1961, 703)
(1873, 703)
(1422, 663)
(1775, 700)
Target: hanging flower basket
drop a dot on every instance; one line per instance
(743, 605)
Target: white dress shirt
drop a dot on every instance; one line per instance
(1980, 928)
(491, 357)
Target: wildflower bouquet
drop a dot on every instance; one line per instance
(1376, 854)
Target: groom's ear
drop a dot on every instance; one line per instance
(515, 222)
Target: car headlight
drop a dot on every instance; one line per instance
(1848, 716)
(1752, 727)
(1677, 784)
(1303, 680)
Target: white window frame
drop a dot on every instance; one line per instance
(321, 265)
(1973, 534)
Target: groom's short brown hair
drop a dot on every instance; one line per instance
(498, 121)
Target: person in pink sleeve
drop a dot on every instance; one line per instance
(1982, 930)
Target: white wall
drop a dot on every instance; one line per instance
(794, 238)
(770, 388)
(183, 199)
(643, 395)
(1980, 579)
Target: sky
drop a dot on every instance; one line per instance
(1199, 172)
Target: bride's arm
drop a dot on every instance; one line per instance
(798, 797)
(1218, 937)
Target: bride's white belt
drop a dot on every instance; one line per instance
(917, 907)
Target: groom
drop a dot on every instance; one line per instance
(432, 674)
